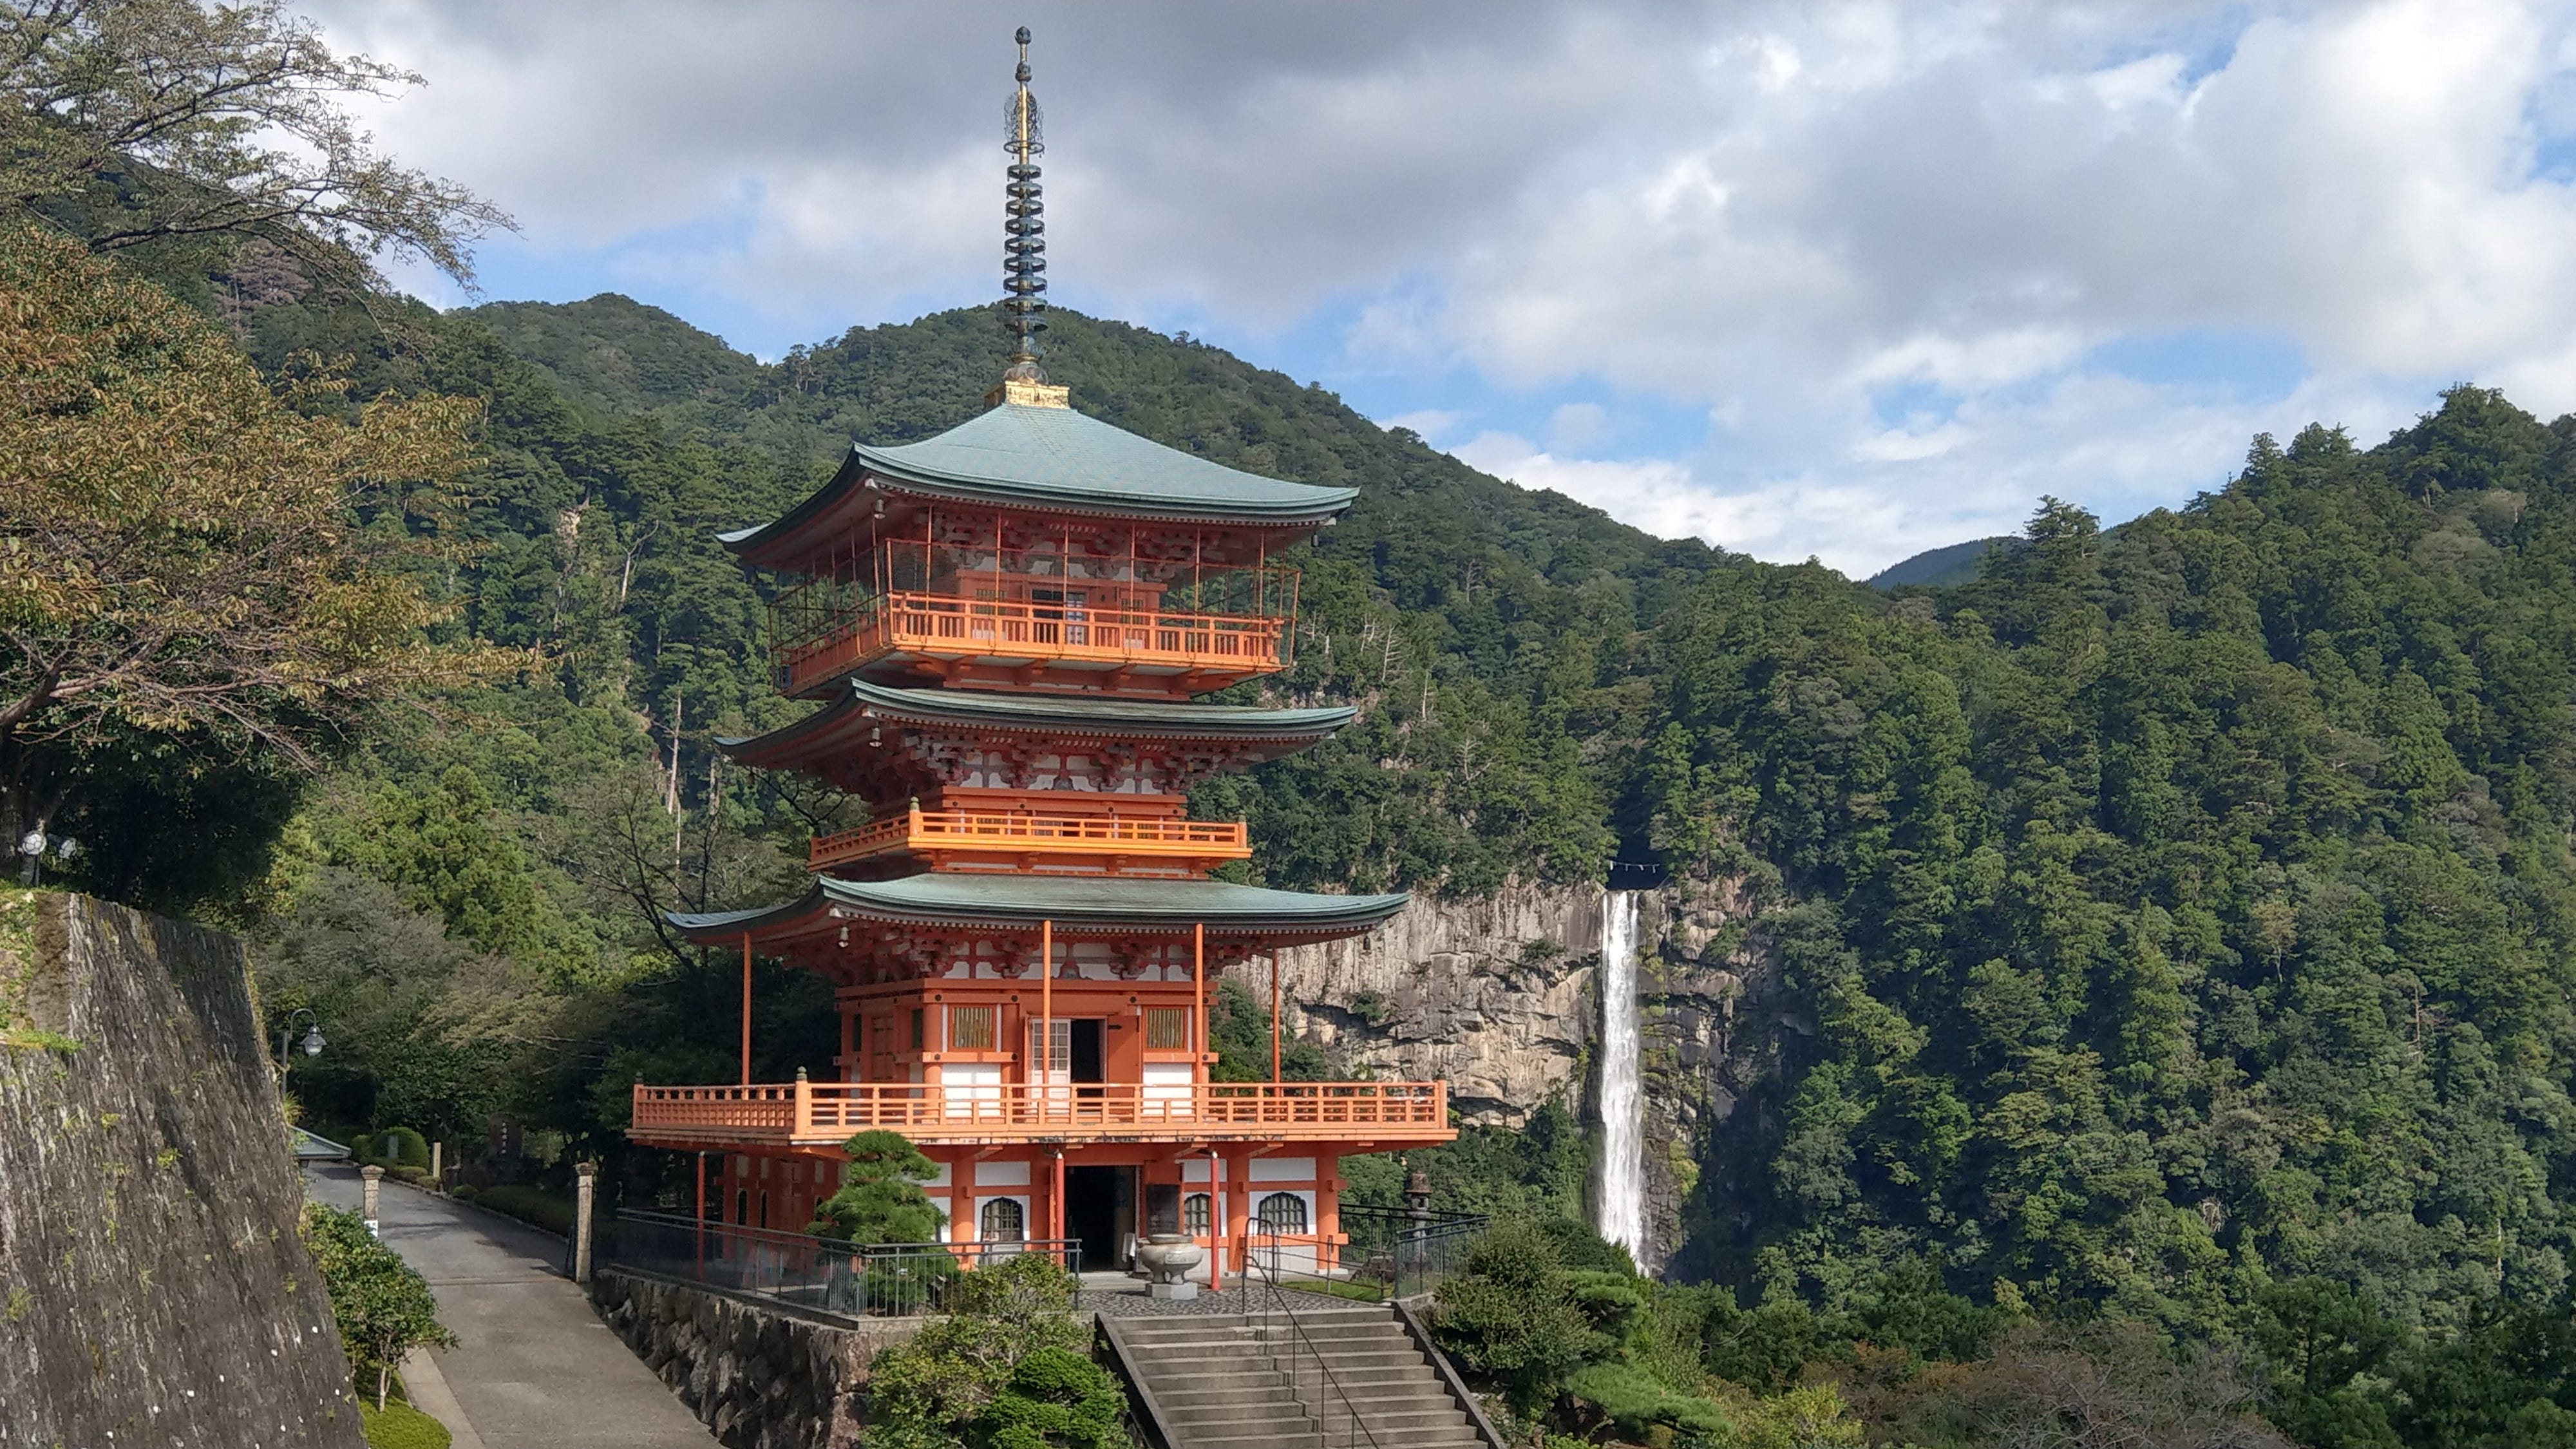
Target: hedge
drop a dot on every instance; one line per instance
(529, 1205)
(402, 1145)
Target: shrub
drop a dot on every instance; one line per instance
(363, 1147)
(1631, 1399)
(384, 1306)
(405, 1172)
(400, 1426)
(1008, 1370)
(532, 1205)
(404, 1146)
(466, 1192)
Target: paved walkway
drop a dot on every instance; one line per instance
(533, 1368)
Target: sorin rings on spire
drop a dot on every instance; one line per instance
(1024, 230)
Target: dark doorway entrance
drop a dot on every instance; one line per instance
(1095, 1210)
(1090, 1060)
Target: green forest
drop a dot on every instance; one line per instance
(2171, 917)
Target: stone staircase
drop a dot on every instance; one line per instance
(1219, 1381)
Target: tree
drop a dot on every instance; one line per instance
(186, 554)
(879, 1201)
(383, 1305)
(144, 120)
(1513, 1316)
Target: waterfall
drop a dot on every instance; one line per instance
(1620, 1204)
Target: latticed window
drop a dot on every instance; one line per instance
(1283, 1212)
(1194, 1214)
(1167, 1028)
(1003, 1222)
(970, 1028)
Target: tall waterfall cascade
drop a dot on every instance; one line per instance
(1620, 1199)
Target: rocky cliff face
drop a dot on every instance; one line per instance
(1499, 995)
(152, 1286)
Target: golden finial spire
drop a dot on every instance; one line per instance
(1024, 252)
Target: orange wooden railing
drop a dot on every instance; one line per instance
(826, 1112)
(936, 830)
(942, 624)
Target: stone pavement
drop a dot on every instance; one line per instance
(533, 1368)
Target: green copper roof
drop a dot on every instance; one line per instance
(1053, 714)
(1056, 458)
(1071, 902)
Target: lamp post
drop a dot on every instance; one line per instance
(312, 1042)
(33, 846)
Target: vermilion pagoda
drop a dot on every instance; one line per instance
(1006, 625)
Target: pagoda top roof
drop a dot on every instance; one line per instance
(1102, 904)
(1057, 460)
(1059, 715)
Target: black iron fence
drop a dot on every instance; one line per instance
(891, 1281)
(1407, 1250)
(1388, 1252)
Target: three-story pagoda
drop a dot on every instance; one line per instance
(1005, 627)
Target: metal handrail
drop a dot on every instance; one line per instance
(822, 1275)
(1324, 1376)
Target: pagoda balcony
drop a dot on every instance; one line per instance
(825, 1114)
(979, 641)
(1002, 840)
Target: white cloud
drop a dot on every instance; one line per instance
(1878, 246)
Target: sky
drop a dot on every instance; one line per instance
(1842, 281)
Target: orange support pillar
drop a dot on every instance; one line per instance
(1238, 1211)
(1274, 1016)
(1198, 975)
(1055, 1197)
(746, 1008)
(1046, 1018)
(1216, 1222)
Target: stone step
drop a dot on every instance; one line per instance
(1235, 1381)
(1253, 1380)
(1182, 1327)
(1346, 1357)
(1284, 1439)
(1249, 1414)
(1328, 1341)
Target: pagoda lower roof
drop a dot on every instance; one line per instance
(1078, 904)
(865, 704)
(1055, 460)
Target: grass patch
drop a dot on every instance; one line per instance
(1337, 1288)
(400, 1426)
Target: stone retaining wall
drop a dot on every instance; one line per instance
(760, 1377)
(152, 1286)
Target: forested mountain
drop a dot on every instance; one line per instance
(2157, 917)
(1937, 568)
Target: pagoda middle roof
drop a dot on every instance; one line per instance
(1075, 715)
(1096, 903)
(1058, 460)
